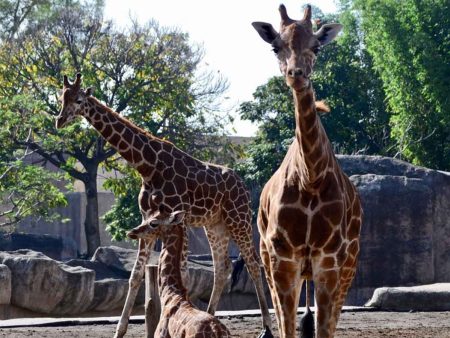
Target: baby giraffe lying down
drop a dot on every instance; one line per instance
(179, 318)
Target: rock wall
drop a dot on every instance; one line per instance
(5, 285)
(32, 284)
(44, 285)
(405, 237)
(405, 241)
(56, 247)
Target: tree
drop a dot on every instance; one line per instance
(410, 45)
(145, 72)
(343, 76)
(25, 189)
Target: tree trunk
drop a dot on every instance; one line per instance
(91, 223)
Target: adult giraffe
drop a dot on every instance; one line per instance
(310, 214)
(213, 196)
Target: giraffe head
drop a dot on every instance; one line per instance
(73, 99)
(297, 45)
(159, 221)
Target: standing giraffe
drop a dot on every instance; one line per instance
(179, 318)
(310, 214)
(214, 195)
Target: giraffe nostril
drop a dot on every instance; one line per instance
(295, 72)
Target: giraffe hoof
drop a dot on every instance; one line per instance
(266, 333)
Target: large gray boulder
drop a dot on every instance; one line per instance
(111, 283)
(115, 257)
(5, 285)
(406, 225)
(56, 247)
(434, 297)
(201, 280)
(44, 285)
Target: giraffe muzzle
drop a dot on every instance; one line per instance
(60, 121)
(295, 72)
(132, 235)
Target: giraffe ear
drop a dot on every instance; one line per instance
(328, 33)
(177, 217)
(89, 91)
(266, 31)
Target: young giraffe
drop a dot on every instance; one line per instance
(179, 318)
(310, 213)
(214, 195)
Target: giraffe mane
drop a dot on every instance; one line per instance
(322, 107)
(128, 123)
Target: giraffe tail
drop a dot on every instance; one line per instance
(237, 270)
(307, 319)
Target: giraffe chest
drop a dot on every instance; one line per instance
(302, 220)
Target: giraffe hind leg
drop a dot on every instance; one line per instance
(219, 238)
(242, 235)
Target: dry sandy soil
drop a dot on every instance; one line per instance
(352, 324)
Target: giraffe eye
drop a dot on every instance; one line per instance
(315, 49)
(276, 50)
(79, 101)
(154, 224)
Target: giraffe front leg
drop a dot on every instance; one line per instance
(134, 282)
(219, 238)
(326, 288)
(266, 263)
(286, 286)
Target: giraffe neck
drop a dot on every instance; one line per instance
(171, 262)
(315, 151)
(134, 144)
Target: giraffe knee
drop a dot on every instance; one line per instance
(135, 281)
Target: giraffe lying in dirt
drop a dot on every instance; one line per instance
(179, 318)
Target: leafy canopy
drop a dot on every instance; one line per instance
(150, 74)
(410, 45)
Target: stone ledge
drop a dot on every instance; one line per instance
(432, 297)
(5, 285)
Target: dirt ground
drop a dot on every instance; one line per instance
(352, 324)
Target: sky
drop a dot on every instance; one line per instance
(231, 45)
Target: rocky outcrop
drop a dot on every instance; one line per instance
(406, 226)
(405, 241)
(44, 285)
(55, 247)
(111, 282)
(5, 285)
(434, 297)
(115, 257)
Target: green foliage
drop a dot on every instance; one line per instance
(343, 76)
(124, 214)
(273, 108)
(25, 189)
(410, 45)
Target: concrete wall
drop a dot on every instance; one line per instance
(72, 231)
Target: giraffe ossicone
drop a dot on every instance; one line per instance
(310, 213)
(215, 196)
